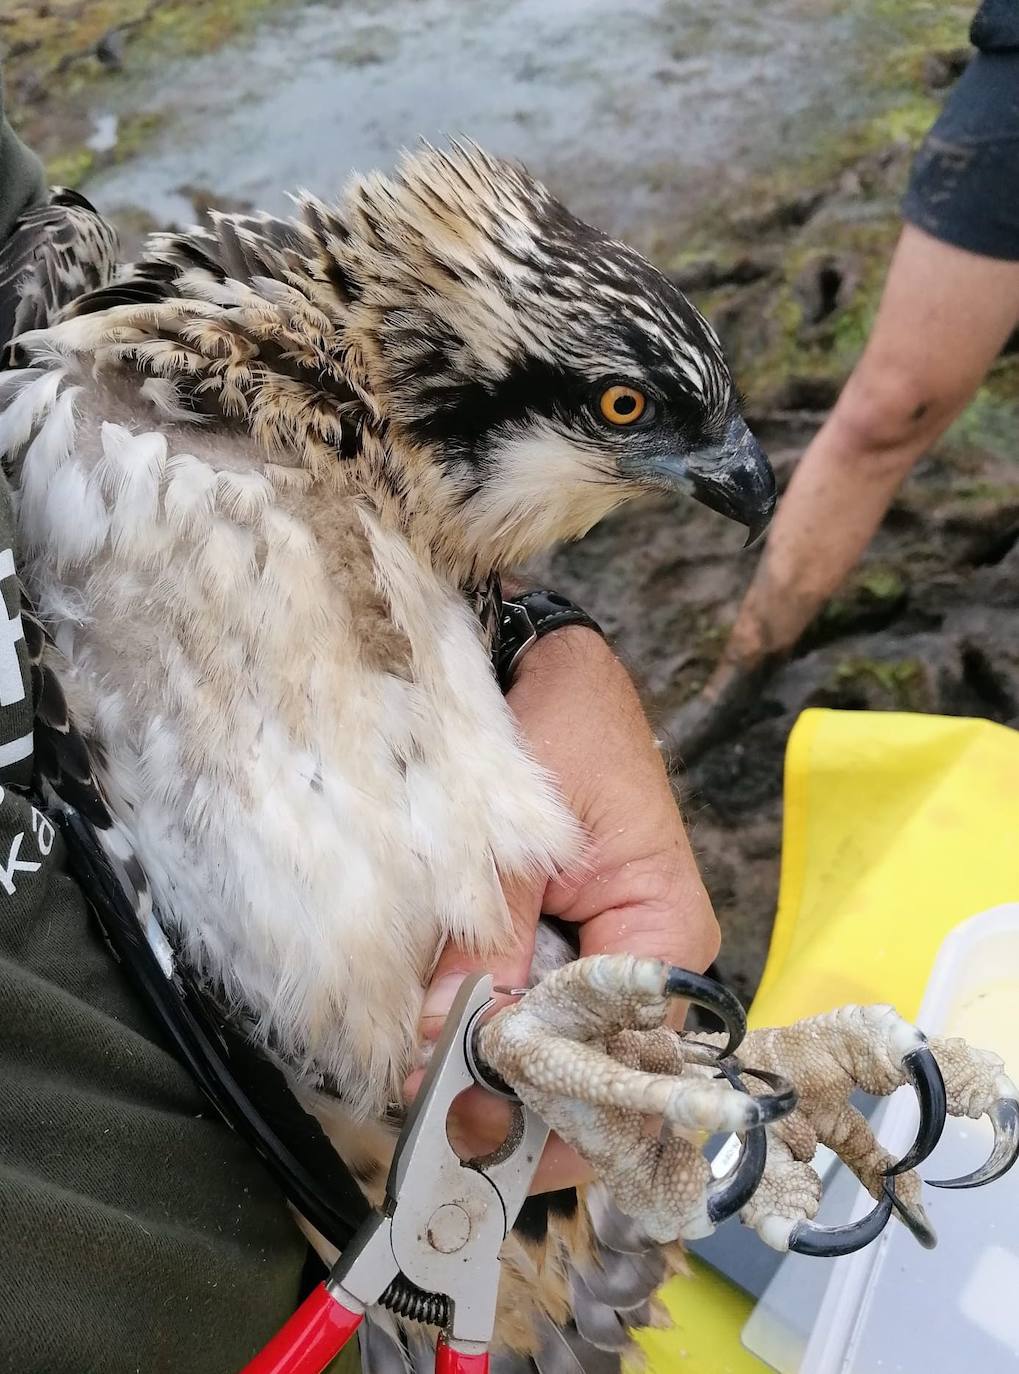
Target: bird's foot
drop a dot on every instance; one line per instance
(827, 1058)
(589, 1049)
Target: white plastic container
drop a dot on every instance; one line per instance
(895, 1308)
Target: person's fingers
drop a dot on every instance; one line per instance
(652, 933)
(510, 969)
(478, 1124)
(479, 1120)
(655, 908)
(560, 1167)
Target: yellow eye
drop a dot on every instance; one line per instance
(622, 405)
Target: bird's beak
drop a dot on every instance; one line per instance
(733, 477)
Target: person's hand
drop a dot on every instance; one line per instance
(729, 693)
(640, 891)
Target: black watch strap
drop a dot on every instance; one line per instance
(527, 618)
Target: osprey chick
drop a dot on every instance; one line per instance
(259, 477)
(264, 478)
(264, 481)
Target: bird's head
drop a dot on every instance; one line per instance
(546, 372)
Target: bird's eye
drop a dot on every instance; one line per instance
(622, 405)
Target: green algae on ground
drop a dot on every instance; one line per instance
(134, 131)
(870, 600)
(990, 422)
(882, 684)
(70, 168)
(193, 27)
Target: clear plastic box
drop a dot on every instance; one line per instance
(895, 1308)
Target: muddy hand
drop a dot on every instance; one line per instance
(717, 710)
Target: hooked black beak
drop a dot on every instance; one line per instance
(733, 477)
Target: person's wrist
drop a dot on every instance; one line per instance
(527, 618)
(566, 646)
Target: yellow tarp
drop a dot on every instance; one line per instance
(897, 828)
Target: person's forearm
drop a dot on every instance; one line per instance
(944, 316)
(582, 718)
(835, 502)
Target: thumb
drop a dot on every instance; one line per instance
(509, 969)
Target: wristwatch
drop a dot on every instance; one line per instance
(527, 618)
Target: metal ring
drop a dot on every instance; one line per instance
(483, 1075)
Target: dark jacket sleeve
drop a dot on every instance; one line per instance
(22, 179)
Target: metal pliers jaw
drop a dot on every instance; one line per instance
(439, 1230)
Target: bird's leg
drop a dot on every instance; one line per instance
(871, 1048)
(589, 1050)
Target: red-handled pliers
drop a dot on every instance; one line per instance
(440, 1228)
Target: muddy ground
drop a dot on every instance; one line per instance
(756, 150)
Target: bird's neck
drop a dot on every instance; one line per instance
(407, 489)
(405, 493)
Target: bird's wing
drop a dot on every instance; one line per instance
(62, 759)
(56, 252)
(237, 322)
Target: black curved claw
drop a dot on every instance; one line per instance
(913, 1217)
(731, 1193)
(1004, 1117)
(714, 997)
(771, 1106)
(777, 1103)
(925, 1075)
(828, 1242)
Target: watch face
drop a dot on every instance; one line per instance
(516, 635)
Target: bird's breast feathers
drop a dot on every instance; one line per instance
(295, 716)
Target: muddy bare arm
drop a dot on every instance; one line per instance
(944, 316)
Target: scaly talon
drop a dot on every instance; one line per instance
(590, 1049)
